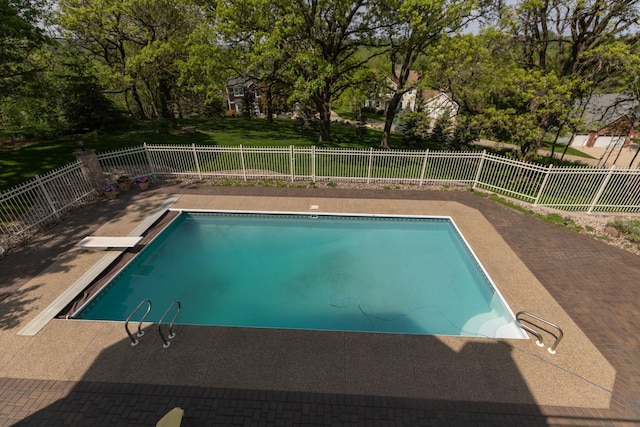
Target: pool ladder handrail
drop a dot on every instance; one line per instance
(134, 341)
(165, 340)
(558, 335)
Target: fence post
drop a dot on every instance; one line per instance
(292, 165)
(313, 163)
(424, 167)
(195, 157)
(544, 183)
(369, 167)
(90, 167)
(601, 189)
(47, 196)
(479, 171)
(152, 170)
(244, 169)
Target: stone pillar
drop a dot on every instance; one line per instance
(91, 167)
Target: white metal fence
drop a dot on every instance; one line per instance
(568, 188)
(40, 200)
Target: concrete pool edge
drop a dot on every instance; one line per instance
(46, 315)
(546, 387)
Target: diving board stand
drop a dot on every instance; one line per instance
(104, 242)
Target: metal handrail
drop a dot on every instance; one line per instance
(538, 335)
(134, 342)
(165, 341)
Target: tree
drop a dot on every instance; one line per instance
(253, 50)
(469, 67)
(414, 127)
(62, 96)
(412, 26)
(631, 86)
(20, 36)
(83, 104)
(310, 44)
(328, 35)
(139, 44)
(581, 42)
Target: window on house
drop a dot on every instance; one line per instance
(238, 91)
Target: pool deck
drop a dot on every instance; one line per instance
(86, 373)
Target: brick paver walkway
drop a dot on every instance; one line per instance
(595, 283)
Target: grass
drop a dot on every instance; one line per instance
(348, 115)
(543, 154)
(570, 151)
(552, 218)
(22, 160)
(629, 229)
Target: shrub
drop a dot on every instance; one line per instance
(630, 229)
(414, 127)
(307, 119)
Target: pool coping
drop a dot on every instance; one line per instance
(49, 313)
(113, 272)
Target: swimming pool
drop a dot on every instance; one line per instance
(414, 275)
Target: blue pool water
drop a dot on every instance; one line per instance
(400, 275)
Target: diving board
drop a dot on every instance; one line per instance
(104, 242)
(42, 318)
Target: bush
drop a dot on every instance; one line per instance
(307, 119)
(442, 132)
(466, 131)
(414, 127)
(630, 229)
(85, 107)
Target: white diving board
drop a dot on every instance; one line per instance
(42, 318)
(104, 242)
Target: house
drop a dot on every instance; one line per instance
(237, 92)
(434, 103)
(608, 121)
(437, 104)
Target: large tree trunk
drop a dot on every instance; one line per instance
(269, 104)
(555, 140)
(165, 102)
(388, 122)
(322, 99)
(136, 98)
(325, 125)
(530, 148)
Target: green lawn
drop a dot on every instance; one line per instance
(560, 149)
(348, 115)
(25, 160)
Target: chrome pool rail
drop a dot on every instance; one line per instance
(134, 341)
(165, 341)
(530, 325)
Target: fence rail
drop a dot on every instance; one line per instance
(586, 189)
(40, 200)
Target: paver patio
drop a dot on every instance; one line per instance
(594, 283)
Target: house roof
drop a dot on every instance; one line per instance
(239, 81)
(413, 78)
(603, 109)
